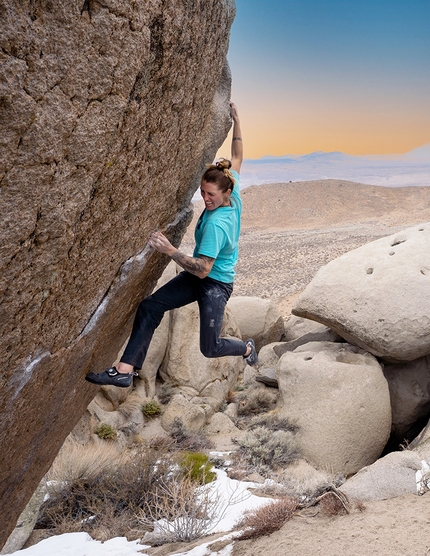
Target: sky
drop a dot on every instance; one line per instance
(331, 75)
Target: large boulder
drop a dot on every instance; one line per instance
(377, 296)
(258, 319)
(108, 115)
(339, 399)
(207, 381)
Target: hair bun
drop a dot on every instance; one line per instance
(223, 164)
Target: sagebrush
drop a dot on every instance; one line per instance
(265, 450)
(151, 409)
(254, 401)
(266, 519)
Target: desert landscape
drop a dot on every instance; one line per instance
(290, 230)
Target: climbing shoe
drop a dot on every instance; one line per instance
(252, 358)
(111, 377)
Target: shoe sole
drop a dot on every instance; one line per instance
(93, 381)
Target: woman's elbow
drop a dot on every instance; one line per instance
(203, 274)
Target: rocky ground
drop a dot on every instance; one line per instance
(288, 232)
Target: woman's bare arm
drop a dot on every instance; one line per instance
(199, 266)
(236, 142)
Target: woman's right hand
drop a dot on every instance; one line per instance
(233, 111)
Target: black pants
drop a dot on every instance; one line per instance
(211, 296)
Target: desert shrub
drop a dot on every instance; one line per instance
(266, 519)
(192, 441)
(162, 443)
(252, 402)
(331, 502)
(272, 422)
(197, 510)
(165, 392)
(106, 432)
(151, 409)
(108, 499)
(197, 466)
(231, 397)
(264, 449)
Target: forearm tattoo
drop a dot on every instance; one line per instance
(190, 264)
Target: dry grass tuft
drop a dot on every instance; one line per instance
(76, 461)
(267, 519)
(106, 496)
(360, 506)
(231, 397)
(165, 392)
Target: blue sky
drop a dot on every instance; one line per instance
(351, 75)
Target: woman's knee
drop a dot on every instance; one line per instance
(209, 351)
(149, 308)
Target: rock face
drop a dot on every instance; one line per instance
(377, 296)
(108, 115)
(339, 399)
(257, 318)
(409, 385)
(193, 375)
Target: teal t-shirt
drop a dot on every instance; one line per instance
(217, 236)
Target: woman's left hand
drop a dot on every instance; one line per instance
(160, 243)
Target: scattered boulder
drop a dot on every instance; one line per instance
(338, 397)
(324, 335)
(220, 423)
(258, 319)
(268, 356)
(268, 377)
(390, 476)
(296, 327)
(377, 296)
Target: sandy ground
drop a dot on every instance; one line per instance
(288, 232)
(396, 527)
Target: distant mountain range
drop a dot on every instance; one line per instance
(409, 169)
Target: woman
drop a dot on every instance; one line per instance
(207, 276)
